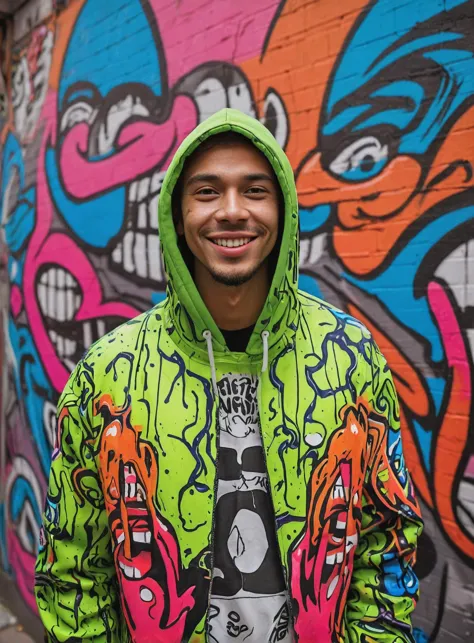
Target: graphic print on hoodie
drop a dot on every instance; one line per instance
(248, 601)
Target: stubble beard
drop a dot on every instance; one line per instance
(236, 279)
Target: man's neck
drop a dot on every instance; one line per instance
(233, 307)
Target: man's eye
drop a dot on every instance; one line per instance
(206, 192)
(256, 190)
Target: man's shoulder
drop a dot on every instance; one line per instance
(125, 337)
(323, 312)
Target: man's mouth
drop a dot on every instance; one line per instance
(232, 243)
(60, 297)
(138, 254)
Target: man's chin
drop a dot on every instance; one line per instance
(233, 277)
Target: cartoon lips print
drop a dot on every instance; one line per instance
(145, 549)
(321, 562)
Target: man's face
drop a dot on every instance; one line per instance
(229, 211)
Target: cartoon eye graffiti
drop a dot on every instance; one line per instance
(78, 112)
(360, 160)
(275, 117)
(217, 86)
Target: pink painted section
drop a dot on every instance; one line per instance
(142, 146)
(227, 31)
(16, 301)
(456, 354)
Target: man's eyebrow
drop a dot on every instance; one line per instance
(203, 178)
(259, 176)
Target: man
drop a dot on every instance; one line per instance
(229, 464)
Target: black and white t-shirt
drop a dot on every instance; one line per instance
(248, 601)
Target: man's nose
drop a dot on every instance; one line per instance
(233, 207)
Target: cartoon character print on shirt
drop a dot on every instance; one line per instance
(146, 553)
(322, 559)
(249, 601)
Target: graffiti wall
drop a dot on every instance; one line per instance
(374, 105)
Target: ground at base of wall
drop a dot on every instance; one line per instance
(17, 623)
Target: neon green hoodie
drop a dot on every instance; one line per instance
(138, 444)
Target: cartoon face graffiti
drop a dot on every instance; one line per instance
(145, 550)
(391, 169)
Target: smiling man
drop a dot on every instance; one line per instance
(229, 464)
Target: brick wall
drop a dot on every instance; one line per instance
(374, 104)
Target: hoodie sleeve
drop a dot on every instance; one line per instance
(75, 577)
(384, 587)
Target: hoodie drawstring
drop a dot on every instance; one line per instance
(265, 335)
(208, 337)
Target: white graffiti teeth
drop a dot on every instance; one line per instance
(60, 297)
(138, 254)
(457, 271)
(129, 571)
(311, 249)
(59, 294)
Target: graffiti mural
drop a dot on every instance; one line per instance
(373, 101)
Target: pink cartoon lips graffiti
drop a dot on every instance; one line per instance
(124, 148)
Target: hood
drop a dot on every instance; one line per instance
(186, 313)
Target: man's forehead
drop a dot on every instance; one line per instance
(246, 158)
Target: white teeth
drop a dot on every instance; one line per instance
(356, 498)
(312, 249)
(87, 334)
(332, 586)
(232, 243)
(130, 572)
(154, 258)
(121, 538)
(58, 295)
(341, 524)
(101, 327)
(117, 253)
(331, 559)
(128, 243)
(132, 193)
(337, 540)
(153, 212)
(338, 491)
(339, 557)
(140, 255)
(143, 188)
(69, 347)
(141, 536)
(142, 217)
